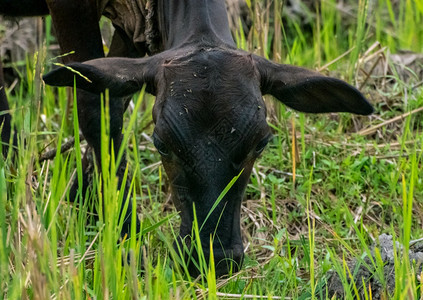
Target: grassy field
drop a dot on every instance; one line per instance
(323, 191)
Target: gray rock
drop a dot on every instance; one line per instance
(364, 271)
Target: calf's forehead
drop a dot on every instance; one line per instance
(228, 124)
(210, 86)
(225, 112)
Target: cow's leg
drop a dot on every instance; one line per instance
(5, 117)
(77, 29)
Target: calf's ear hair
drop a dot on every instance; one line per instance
(309, 91)
(122, 76)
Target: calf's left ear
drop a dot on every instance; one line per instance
(309, 91)
(122, 76)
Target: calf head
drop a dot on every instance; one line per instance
(211, 125)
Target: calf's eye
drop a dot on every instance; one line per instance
(160, 146)
(262, 145)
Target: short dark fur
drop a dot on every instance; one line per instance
(209, 113)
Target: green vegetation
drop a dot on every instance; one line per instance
(355, 177)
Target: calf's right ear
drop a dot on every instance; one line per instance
(121, 76)
(309, 91)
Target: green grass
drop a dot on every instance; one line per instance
(350, 186)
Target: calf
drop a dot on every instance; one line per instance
(209, 115)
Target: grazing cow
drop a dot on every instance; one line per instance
(209, 115)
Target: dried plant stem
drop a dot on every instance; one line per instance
(373, 129)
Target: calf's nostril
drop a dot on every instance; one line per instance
(226, 261)
(230, 262)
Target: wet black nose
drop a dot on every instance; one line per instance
(227, 260)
